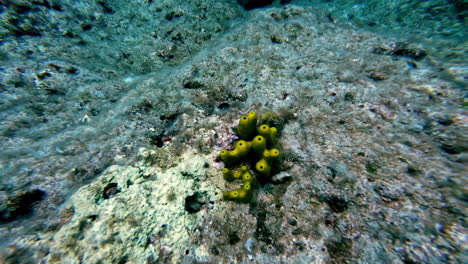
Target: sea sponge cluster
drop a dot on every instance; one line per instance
(255, 149)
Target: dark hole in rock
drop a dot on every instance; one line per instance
(445, 122)
(69, 34)
(123, 260)
(233, 238)
(94, 112)
(169, 117)
(223, 106)
(43, 75)
(412, 171)
(292, 222)
(110, 190)
(86, 27)
(349, 97)
(337, 204)
(214, 251)
(452, 149)
(251, 4)
(157, 140)
(20, 204)
(331, 220)
(173, 14)
(195, 202)
(56, 7)
(193, 85)
(92, 217)
(71, 70)
(105, 7)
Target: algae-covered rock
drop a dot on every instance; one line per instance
(139, 216)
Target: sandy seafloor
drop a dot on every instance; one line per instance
(112, 115)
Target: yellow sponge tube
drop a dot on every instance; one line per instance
(226, 156)
(244, 168)
(247, 126)
(274, 153)
(242, 194)
(259, 144)
(264, 130)
(263, 167)
(237, 174)
(252, 119)
(228, 175)
(269, 133)
(243, 148)
(266, 154)
(232, 156)
(273, 134)
(231, 195)
(247, 177)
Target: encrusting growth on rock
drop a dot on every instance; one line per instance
(255, 149)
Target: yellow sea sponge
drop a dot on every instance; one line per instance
(274, 153)
(247, 177)
(269, 133)
(231, 157)
(243, 148)
(252, 120)
(228, 175)
(237, 175)
(242, 194)
(263, 167)
(231, 195)
(256, 146)
(259, 144)
(244, 168)
(247, 126)
(235, 155)
(226, 156)
(266, 154)
(264, 130)
(273, 135)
